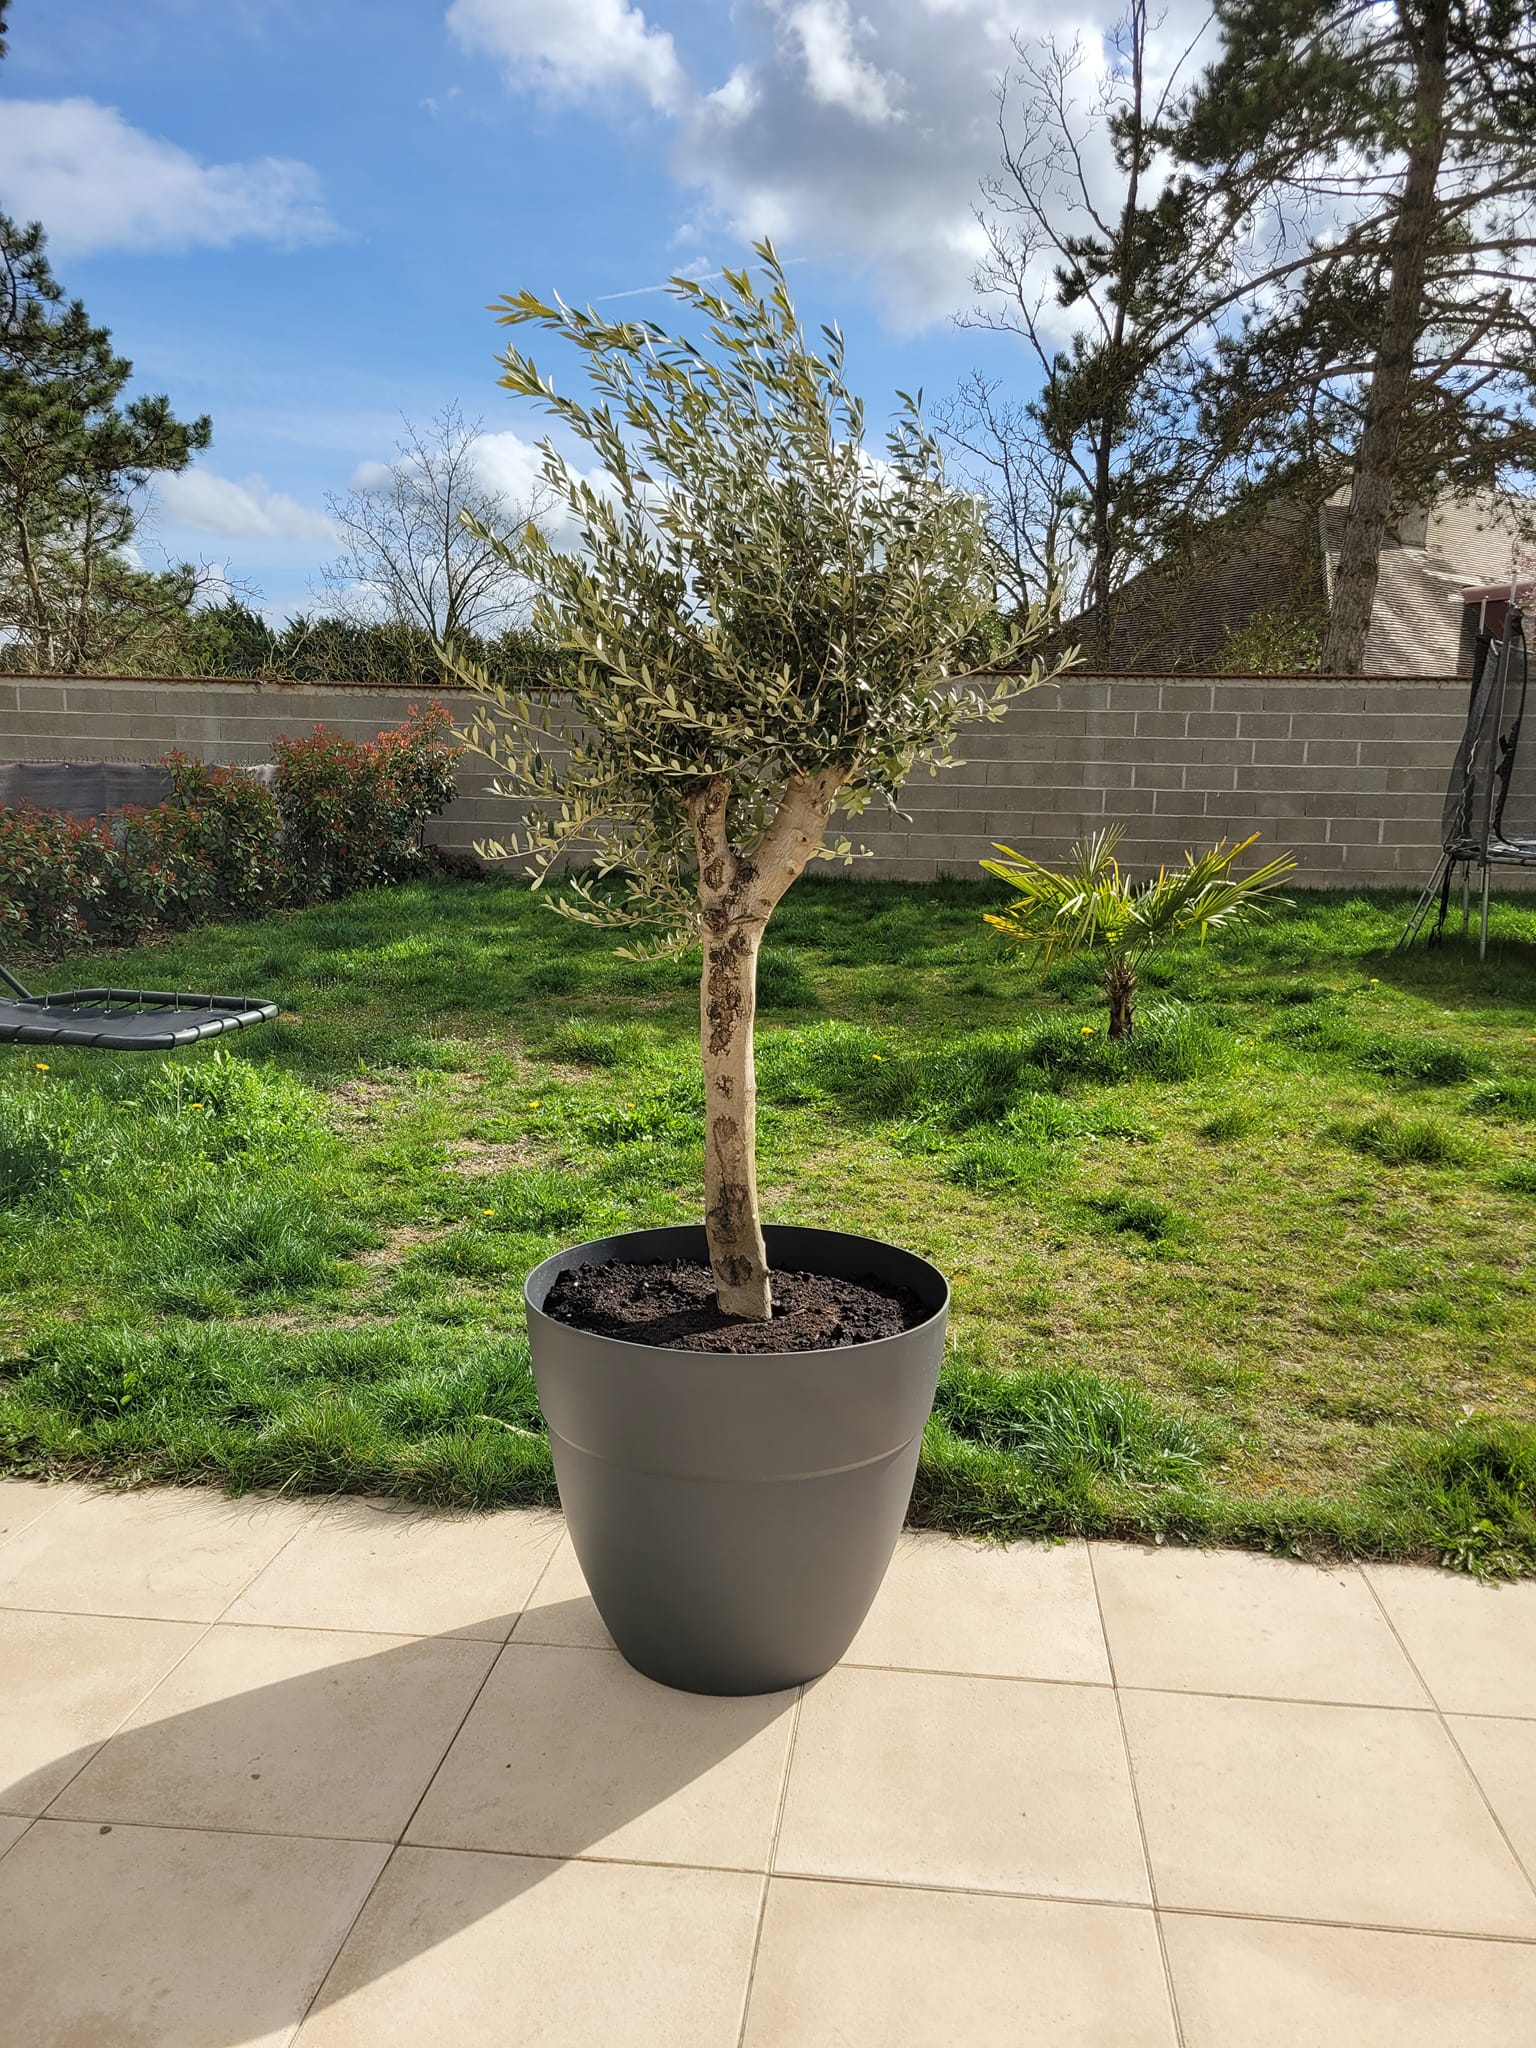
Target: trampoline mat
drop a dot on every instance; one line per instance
(127, 1020)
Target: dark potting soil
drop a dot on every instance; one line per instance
(674, 1304)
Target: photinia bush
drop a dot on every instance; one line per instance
(340, 815)
(353, 811)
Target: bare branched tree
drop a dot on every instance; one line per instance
(410, 553)
(1097, 469)
(1027, 485)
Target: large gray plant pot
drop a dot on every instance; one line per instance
(734, 1515)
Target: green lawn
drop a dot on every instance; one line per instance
(1266, 1277)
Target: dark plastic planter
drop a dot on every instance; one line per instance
(734, 1515)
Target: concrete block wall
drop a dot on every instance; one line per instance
(1349, 776)
(58, 718)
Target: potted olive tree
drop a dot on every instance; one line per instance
(766, 627)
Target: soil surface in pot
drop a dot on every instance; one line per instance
(673, 1304)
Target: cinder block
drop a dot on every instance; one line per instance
(31, 696)
(1329, 725)
(1215, 725)
(1163, 725)
(1136, 697)
(1264, 725)
(1317, 699)
(1157, 775)
(1209, 775)
(1420, 780)
(1109, 779)
(1109, 724)
(1279, 753)
(1279, 777)
(1226, 752)
(1333, 753)
(1355, 831)
(1186, 695)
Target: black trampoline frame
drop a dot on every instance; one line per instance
(1479, 841)
(123, 1019)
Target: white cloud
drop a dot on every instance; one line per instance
(857, 131)
(97, 183)
(201, 501)
(835, 74)
(573, 48)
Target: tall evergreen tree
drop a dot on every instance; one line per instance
(72, 459)
(1377, 168)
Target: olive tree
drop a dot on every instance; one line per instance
(766, 626)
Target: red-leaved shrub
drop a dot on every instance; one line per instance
(339, 815)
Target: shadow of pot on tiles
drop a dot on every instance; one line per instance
(192, 1878)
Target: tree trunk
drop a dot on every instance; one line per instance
(728, 1006)
(737, 895)
(1391, 392)
(1120, 992)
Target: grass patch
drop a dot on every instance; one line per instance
(1405, 1140)
(1256, 1277)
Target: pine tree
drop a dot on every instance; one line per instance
(71, 462)
(1377, 165)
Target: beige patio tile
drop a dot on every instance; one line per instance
(66, 1681)
(375, 1566)
(1503, 1759)
(1026, 1610)
(570, 1752)
(12, 1827)
(1362, 1814)
(23, 1500)
(288, 1730)
(560, 1609)
(174, 1554)
(876, 1967)
(457, 1949)
(155, 1938)
(1256, 1984)
(1475, 1644)
(995, 1784)
(1227, 1621)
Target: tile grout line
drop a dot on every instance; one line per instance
(165, 1676)
(1141, 1826)
(399, 1841)
(1450, 1735)
(515, 1641)
(773, 1857)
(1068, 1901)
(60, 1487)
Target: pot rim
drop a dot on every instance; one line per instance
(839, 1352)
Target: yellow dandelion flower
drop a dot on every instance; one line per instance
(877, 1055)
(534, 1104)
(487, 1212)
(1089, 1030)
(42, 1066)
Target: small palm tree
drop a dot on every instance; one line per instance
(1091, 907)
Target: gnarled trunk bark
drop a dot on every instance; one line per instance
(728, 1006)
(737, 895)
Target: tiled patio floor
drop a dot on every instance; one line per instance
(351, 1777)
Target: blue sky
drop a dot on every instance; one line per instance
(292, 213)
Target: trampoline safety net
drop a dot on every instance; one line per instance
(1490, 804)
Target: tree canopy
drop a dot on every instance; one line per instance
(72, 460)
(767, 624)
